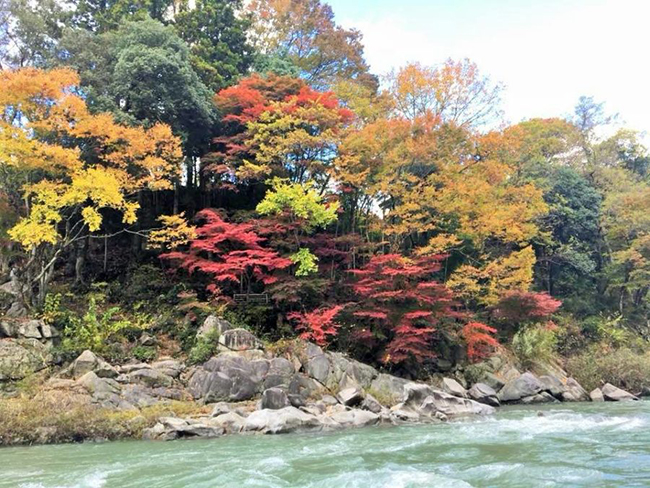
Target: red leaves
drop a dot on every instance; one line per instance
(519, 306)
(318, 326)
(228, 253)
(399, 300)
(479, 340)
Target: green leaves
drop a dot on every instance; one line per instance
(303, 205)
(306, 261)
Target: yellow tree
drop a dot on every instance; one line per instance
(64, 168)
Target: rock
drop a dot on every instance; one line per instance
(169, 428)
(285, 420)
(88, 361)
(274, 399)
(541, 397)
(16, 310)
(227, 377)
(484, 394)
(345, 372)
(296, 400)
(329, 400)
(614, 394)
(574, 392)
(213, 326)
(493, 381)
(355, 418)
(21, 357)
(398, 414)
(371, 404)
(169, 367)
(150, 377)
(239, 340)
(30, 329)
(318, 367)
(96, 385)
(452, 406)
(350, 397)
(48, 331)
(452, 387)
(129, 368)
(415, 394)
(388, 389)
(597, 395)
(525, 385)
(220, 408)
(7, 329)
(231, 422)
(147, 340)
(304, 386)
(552, 385)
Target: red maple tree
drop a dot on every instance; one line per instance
(520, 306)
(479, 339)
(319, 325)
(228, 254)
(400, 305)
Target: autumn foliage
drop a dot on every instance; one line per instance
(519, 307)
(479, 339)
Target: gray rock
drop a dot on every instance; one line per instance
(415, 394)
(452, 387)
(285, 420)
(318, 367)
(388, 389)
(239, 340)
(399, 414)
(452, 406)
(484, 394)
(541, 397)
(88, 361)
(355, 418)
(493, 381)
(21, 357)
(296, 400)
(274, 399)
(231, 422)
(329, 400)
(30, 329)
(213, 325)
(48, 331)
(7, 328)
(350, 397)
(597, 395)
(220, 408)
(169, 367)
(371, 404)
(574, 392)
(552, 385)
(150, 377)
(525, 385)
(147, 340)
(169, 428)
(614, 394)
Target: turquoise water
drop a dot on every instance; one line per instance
(570, 445)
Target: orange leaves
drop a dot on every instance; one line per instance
(77, 163)
(479, 340)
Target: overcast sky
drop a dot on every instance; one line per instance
(546, 52)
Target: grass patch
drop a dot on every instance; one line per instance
(624, 367)
(56, 417)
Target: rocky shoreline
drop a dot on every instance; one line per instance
(245, 389)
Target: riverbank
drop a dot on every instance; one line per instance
(247, 388)
(572, 444)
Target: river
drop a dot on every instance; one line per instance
(606, 444)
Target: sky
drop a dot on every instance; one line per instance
(547, 53)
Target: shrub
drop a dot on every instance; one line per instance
(204, 348)
(535, 343)
(623, 367)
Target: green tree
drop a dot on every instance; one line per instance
(217, 37)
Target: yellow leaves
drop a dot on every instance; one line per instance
(440, 244)
(251, 171)
(175, 232)
(92, 218)
(116, 161)
(487, 284)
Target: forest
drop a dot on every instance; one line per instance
(164, 160)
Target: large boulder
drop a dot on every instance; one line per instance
(170, 428)
(354, 418)
(574, 392)
(350, 397)
(483, 393)
(525, 385)
(213, 326)
(283, 421)
(21, 357)
(274, 399)
(596, 395)
(169, 367)
(452, 406)
(553, 385)
(388, 389)
(231, 422)
(541, 397)
(239, 340)
(415, 394)
(150, 377)
(453, 387)
(614, 394)
(89, 361)
(30, 329)
(228, 377)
